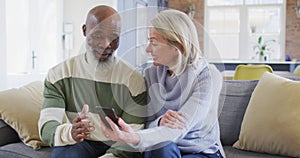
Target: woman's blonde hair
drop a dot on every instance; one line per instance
(179, 30)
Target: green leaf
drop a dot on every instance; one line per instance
(259, 39)
(261, 53)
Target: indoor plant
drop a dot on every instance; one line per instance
(190, 10)
(262, 47)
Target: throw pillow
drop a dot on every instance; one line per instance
(271, 123)
(20, 108)
(234, 99)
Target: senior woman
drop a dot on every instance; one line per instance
(182, 119)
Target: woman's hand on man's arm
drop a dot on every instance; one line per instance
(172, 119)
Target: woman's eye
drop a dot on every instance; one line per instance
(153, 44)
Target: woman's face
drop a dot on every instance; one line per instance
(161, 52)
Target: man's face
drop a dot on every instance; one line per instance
(103, 38)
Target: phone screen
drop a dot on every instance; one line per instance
(107, 111)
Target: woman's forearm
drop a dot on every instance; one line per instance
(134, 139)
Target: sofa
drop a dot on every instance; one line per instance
(233, 101)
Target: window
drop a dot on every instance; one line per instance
(234, 26)
(134, 39)
(33, 39)
(32, 32)
(141, 35)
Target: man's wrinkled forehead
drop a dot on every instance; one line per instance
(113, 27)
(111, 24)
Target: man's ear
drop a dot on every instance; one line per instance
(84, 30)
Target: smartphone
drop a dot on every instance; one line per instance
(107, 111)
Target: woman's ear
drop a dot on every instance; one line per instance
(84, 30)
(179, 46)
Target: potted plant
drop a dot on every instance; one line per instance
(190, 10)
(262, 47)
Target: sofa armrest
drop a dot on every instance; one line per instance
(8, 134)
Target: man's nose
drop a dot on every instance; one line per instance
(105, 43)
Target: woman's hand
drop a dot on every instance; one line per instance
(172, 119)
(123, 134)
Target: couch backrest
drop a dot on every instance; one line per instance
(233, 101)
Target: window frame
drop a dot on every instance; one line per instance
(244, 32)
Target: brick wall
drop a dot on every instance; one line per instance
(198, 18)
(292, 31)
(292, 24)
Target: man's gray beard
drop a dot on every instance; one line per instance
(92, 58)
(91, 55)
(106, 59)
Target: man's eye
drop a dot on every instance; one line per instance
(96, 37)
(115, 39)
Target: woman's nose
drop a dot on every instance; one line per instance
(148, 49)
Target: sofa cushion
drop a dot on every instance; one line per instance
(234, 99)
(20, 150)
(20, 109)
(231, 152)
(7, 134)
(271, 123)
(2, 124)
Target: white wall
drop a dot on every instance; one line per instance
(75, 12)
(2, 46)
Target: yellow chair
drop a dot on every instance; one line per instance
(297, 70)
(250, 72)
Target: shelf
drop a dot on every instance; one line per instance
(276, 65)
